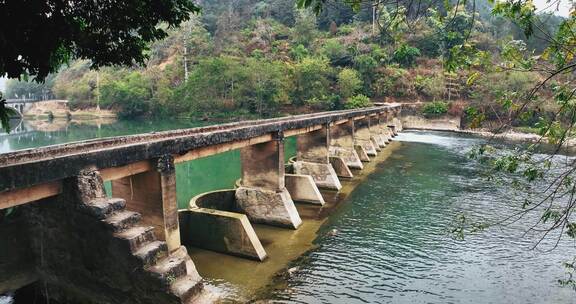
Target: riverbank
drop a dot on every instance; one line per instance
(59, 109)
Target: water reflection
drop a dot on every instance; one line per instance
(38, 133)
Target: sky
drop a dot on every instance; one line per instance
(552, 6)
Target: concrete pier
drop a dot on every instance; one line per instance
(363, 138)
(342, 143)
(340, 167)
(153, 194)
(303, 189)
(263, 196)
(313, 153)
(379, 131)
(213, 221)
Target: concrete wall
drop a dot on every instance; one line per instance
(263, 165)
(88, 249)
(448, 123)
(313, 146)
(220, 231)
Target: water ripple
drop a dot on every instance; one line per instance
(392, 245)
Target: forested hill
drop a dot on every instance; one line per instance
(263, 58)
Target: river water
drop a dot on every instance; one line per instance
(386, 241)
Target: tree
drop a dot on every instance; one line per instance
(20, 89)
(304, 30)
(349, 82)
(405, 55)
(131, 93)
(557, 63)
(45, 34)
(311, 81)
(42, 35)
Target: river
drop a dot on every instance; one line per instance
(387, 240)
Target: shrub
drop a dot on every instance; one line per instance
(435, 108)
(226, 84)
(405, 55)
(366, 65)
(358, 101)
(429, 86)
(349, 82)
(334, 50)
(393, 81)
(131, 94)
(319, 103)
(492, 85)
(456, 108)
(310, 79)
(346, 29)
(299, 52)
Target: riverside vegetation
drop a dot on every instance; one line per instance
(261, 58)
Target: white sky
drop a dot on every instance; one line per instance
(552, 6)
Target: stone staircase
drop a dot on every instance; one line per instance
(452, 86)
(175, 270)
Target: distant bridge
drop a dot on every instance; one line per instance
(20, 105)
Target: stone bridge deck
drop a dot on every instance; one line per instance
(26, 168)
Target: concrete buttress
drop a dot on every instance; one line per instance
(363, 138)
(153, 194)
(262, 195)
(313, 158)
(342, 144)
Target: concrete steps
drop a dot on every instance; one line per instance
(176, 270)
(137, 236)
(121, 220)
(103, 207)
(186, 288)
(151, 252)
(169, 268)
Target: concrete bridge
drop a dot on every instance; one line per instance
(20, 105)
(125, 246)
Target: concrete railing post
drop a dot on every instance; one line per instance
(313, 158)
(262, 194)
(342, 144)
(153, 194)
